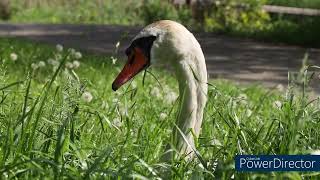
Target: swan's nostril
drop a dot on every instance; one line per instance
(114, 87)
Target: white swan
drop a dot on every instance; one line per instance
(168, 42)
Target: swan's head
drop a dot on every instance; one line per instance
(162, 42)
(139, 58)
(149, 47)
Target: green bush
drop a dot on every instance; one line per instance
(5, 10)
(154, 10)
(76, 11)
(233, 15)
(297, 3)
(295, 32)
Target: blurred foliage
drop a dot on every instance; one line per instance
(130, 12)
(154, 10)
(246, 18)
(236, 17)
(77, 11)
(292, 30)
(5, 11)
(297, 3)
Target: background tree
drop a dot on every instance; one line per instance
(5, 10)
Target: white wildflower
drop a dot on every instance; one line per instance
(34, 66)
(53, 62)
(28, 108)
(277, 104)
(117, 93)
(114, 60)
(115, 100)
(171, 97)
(65, 96)
(78, 55)
(118, 44)
(155, 92)
(123, 110)
(215, 142)
(58, 57)
(248, 112)
(76, 64)
(166, 88)
(104, 105)
(84, 165)
(280, 87)
(105, 175)
(315, 152)
(13, 56)
(117, 122)
(242, 99)
(69, 65)
(72, 51)
(5, 174)
(87, 96)
(41, 64)
(152, 127)
(117, 47)
(163, 116)
(59, 47)
(133, 84)
(54, 68)
(243, 96)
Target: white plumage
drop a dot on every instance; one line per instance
(175, 46)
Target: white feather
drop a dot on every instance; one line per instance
(177, 47)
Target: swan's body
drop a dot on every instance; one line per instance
(170, 43)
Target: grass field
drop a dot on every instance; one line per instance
(59, 119)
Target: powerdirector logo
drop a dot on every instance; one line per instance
(277, 163)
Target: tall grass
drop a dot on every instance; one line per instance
(50, 129)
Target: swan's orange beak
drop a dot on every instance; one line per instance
(137, 61)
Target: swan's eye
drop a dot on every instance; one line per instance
(144, 45)
(128, 51)
(138, 59)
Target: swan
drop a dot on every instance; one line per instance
(169, 43)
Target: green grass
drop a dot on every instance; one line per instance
(76, 12)
(315, 4)
(48, 130)
(286, 29)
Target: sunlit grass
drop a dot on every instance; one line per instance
(76, 11)
(57, 121)
(297, 3)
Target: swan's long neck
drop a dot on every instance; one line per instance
(191, 73)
